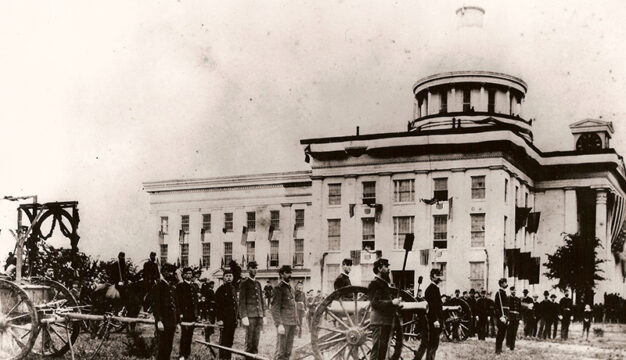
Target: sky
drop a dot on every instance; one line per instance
(98, 97)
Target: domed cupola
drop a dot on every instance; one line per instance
(470, 88)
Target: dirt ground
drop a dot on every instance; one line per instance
(612, 345)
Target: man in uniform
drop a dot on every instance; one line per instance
(164, 310)
(187, 301)
(431, 330)
(553, 313)
(150, 276)
(565, 315)
(471, 301)
(515, 306)
(251, 308)
(343, 279)
(284, 313)
(49, 273)
(527, 313)
(491, 316)
(383, 309)
(301, 305)
(536, 313)
(119, 274)
(268, 290)
(226, 311)
(501, 311)
(544, 323)
(482, 308)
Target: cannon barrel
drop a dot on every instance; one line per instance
(361, 306)
(452, 308)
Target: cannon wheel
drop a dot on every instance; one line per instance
(341, 335)
(458, 321)
(19, 324)
(411, 324)
(53, 338)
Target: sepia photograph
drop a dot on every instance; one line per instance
(313, 180)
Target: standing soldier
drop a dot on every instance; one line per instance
(501, 311)
(150, 277)
(544, 310)
(284, 314)
(209, 303)
(301, 305)
(268, 290)
(515, 306)
(491, 316)
(251, 308)
(565, 315)
(383, 309)
(164, 310)
(527, 313)
(536, 314)
(431, 330)
(226, 311)
(482, 308)
(119, 274)
(471, 301)
(343, 279)
(554, 315)
(188, 311)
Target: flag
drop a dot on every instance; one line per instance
(224, 230)
(429, 201)
(536, 269)
(525, 266)
(521, 215)
(450, 203)
(295, 230)
(244, 235)
(271, 233)
(307, 151)
(533, 222)
(424, 254)
(351, 207)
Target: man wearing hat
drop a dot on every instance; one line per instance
(491, 318)
(544, 323)
(431, 331)
(343, 279)
(284, 313)
(482, 310)
(226, 311)
(527, 313)
(565, 316)
(501, 311)
(251, 308)
(164, 310)
(554, 315)
(188, 311)
(383, 309)
(536, 314)
(515, 306)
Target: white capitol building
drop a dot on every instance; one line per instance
(464, 177)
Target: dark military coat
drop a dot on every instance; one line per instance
(251, 302)
(187, 299)
(380, 297)
(501, 301)
(284, 310)
(226, 304)
(164, 303)
(342, 281)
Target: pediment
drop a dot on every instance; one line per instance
(592, 125)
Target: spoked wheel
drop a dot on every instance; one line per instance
(458, 319)
(412, 322)
(19, 324)
(341, 327)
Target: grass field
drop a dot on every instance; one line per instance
(612, 345)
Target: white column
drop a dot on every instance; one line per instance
(605, 252)
(483, 99)
(429, 109)
(571, 211)
(453, 105)
(508, 101)
(601, 195)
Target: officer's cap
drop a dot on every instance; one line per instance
(552, 296)
(347, 261)
(512, 288)
(252, 265)
(525, 291)
(228, 271)
(285, 269)
(502, 281)
(380, 262)
(483, 291)
(546, 293)
(435, 272)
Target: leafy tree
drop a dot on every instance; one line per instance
(576, 264)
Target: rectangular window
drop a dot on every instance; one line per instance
(274, 253)
(334, 234)
(299, 254)
(228, 222)
(478, 230)
(402, 225)
(506, 189)
(467, 100)
(250, 250)
(206, 255)
(228, 253)
(184, 255)
(184, 223)
(440, 231)
(404, 190)
(275, 219)
(440, 187)
(491, 102)
(478, 187)
(369, 241)
(477, 275)
(163, 253)
(206, 223)
(300, 219)
(369, 192)
(444, 102)
(334, 194)
(164, 225)
(442, 266)
(251, 223)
